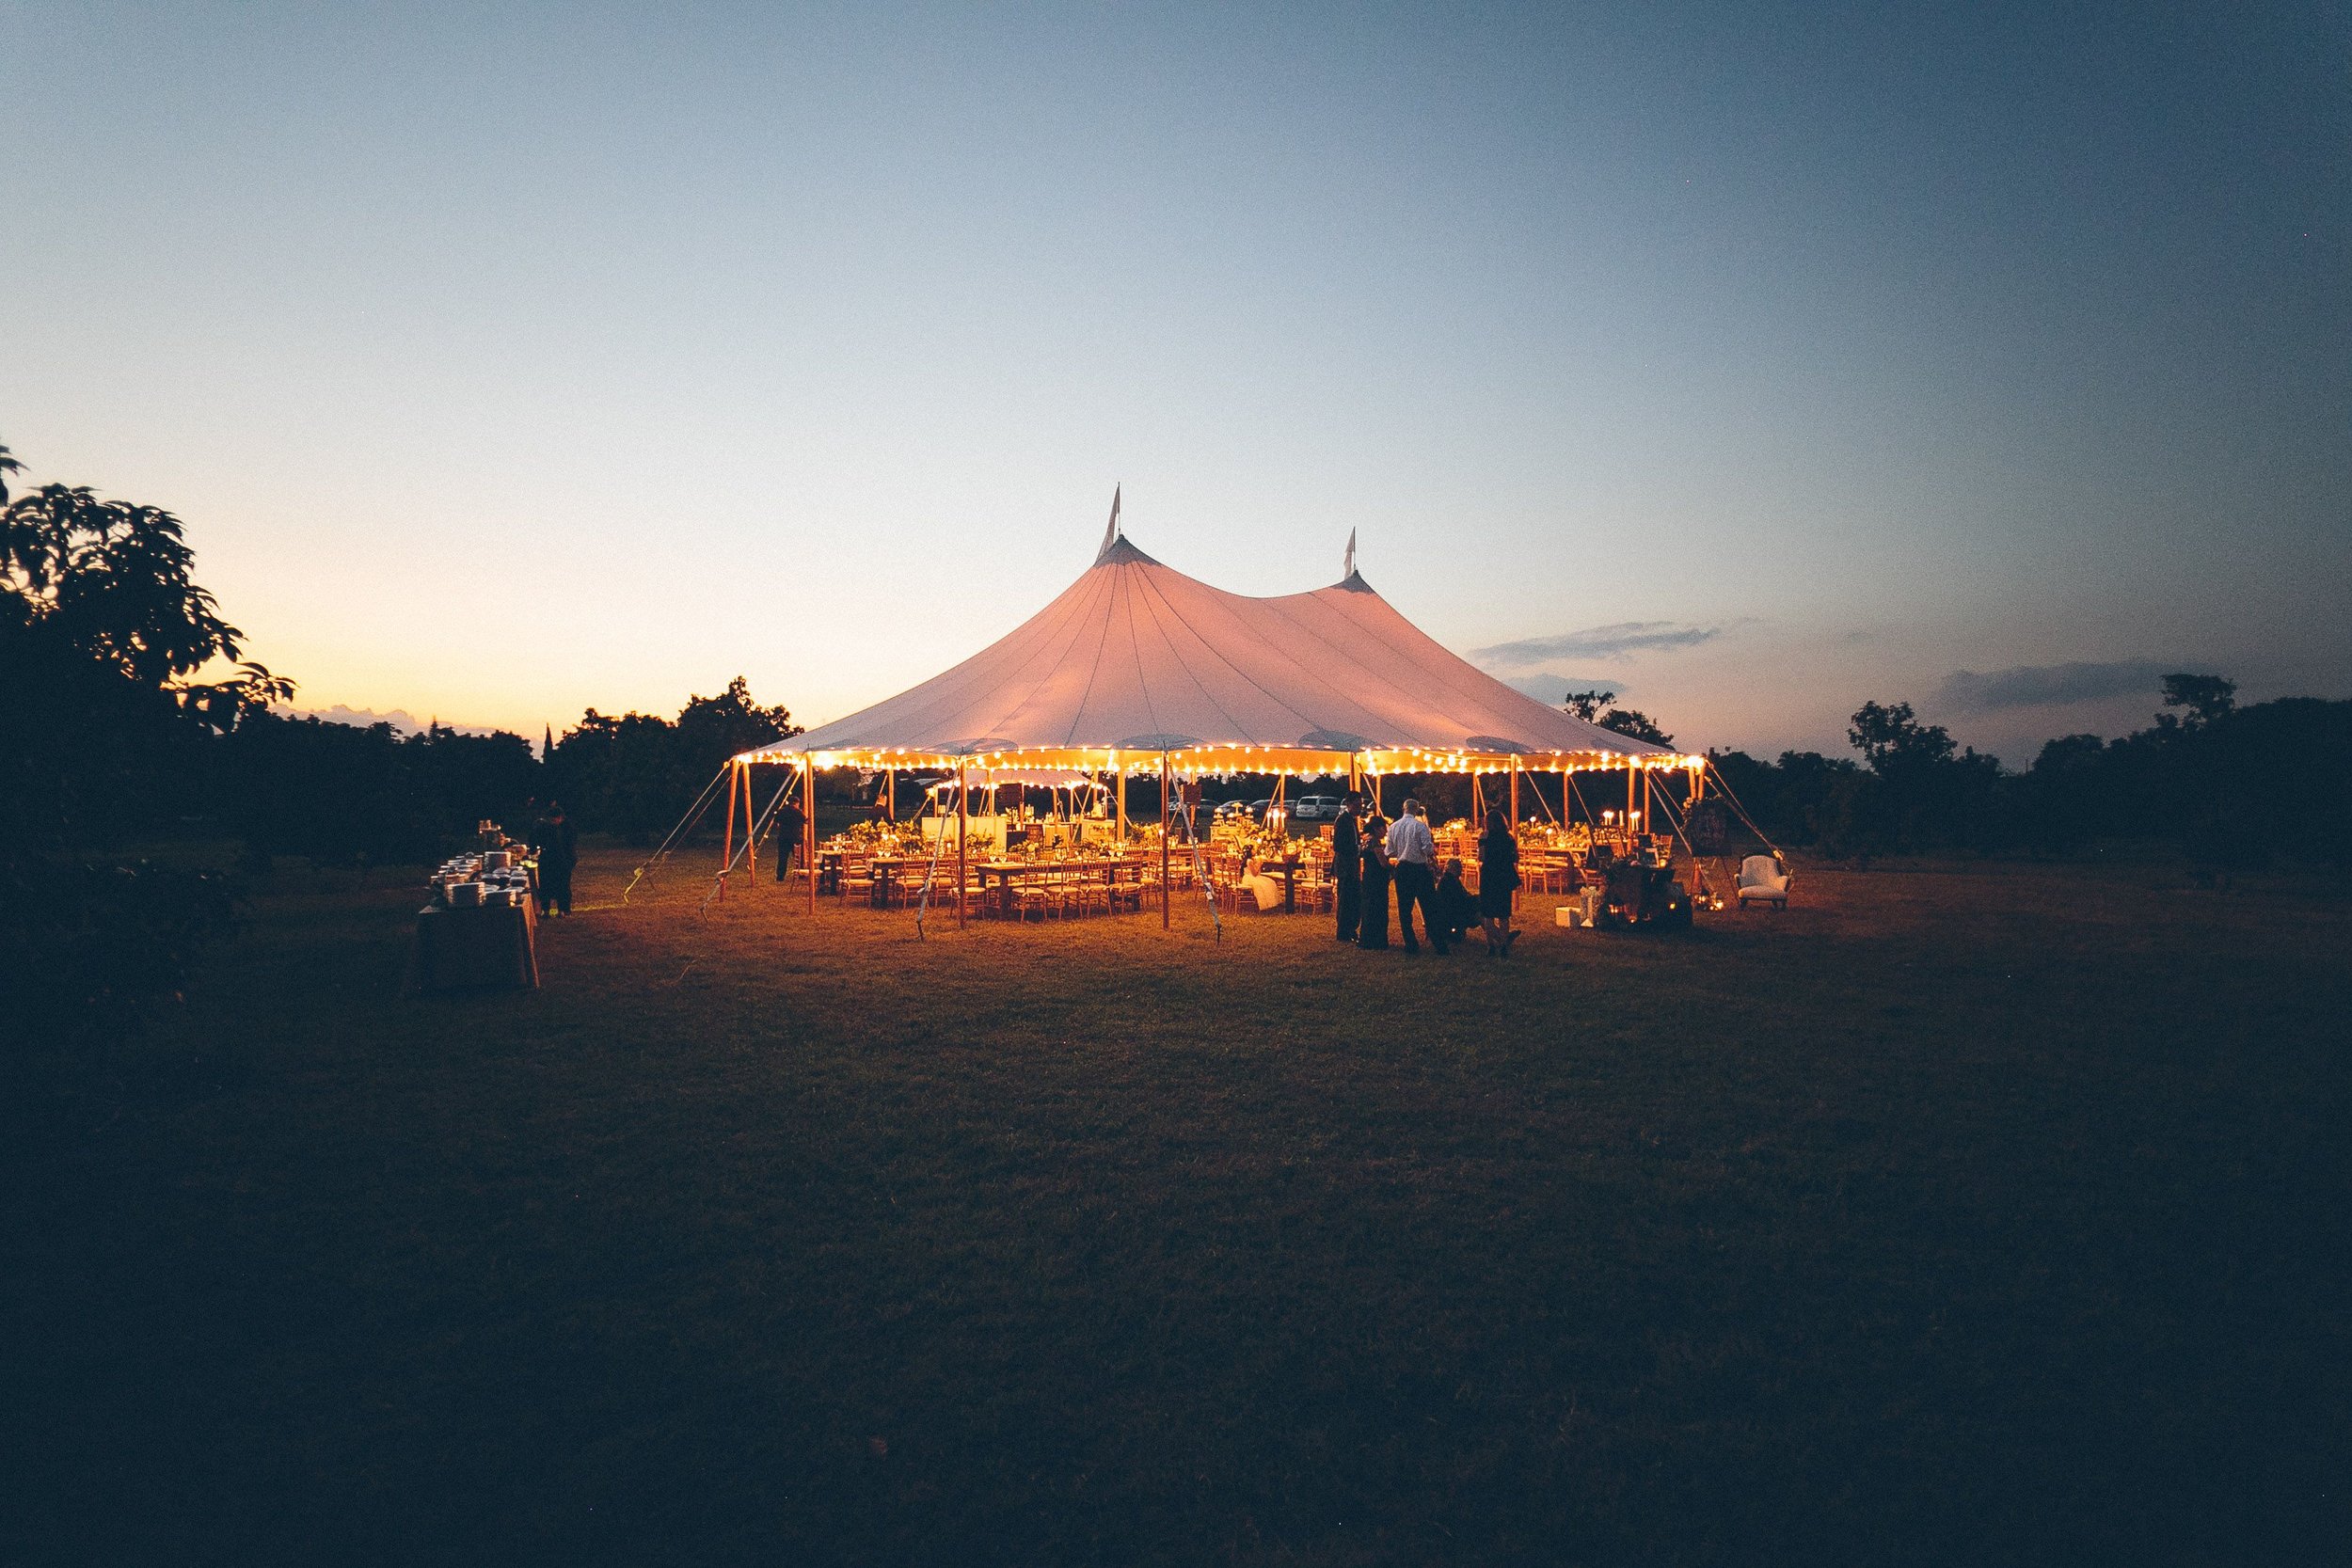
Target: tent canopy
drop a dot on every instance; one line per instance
(1136, 660)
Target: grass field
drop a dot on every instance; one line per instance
(1988, 1214)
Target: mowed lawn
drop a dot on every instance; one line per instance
(1969, 1214)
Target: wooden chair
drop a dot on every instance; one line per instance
(1089, 894)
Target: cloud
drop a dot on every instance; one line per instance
(1544, 686)
(1610, 641)
(2052, 685)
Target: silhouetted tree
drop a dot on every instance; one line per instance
(103, 633)
(1636, 725)
(1587, 704)
(634, 775)
(2207, 698)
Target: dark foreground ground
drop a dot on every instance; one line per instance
(1972, 1216)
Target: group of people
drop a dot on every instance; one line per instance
(1370, 854)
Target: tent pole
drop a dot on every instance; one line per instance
(809, 827)
(890, 795)
(1515, 822)
(1163, 773)
(726, 845)
(751, 833)
(1122, 805)
(1628, 803)
(962, 785)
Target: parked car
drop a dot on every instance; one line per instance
(1316, 808)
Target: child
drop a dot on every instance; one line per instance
(1457, 914)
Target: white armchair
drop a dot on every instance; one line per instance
(1764, 879)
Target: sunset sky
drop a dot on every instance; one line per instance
(1749, 360)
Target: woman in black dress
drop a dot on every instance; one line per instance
(1497, 879)
(1372, 928)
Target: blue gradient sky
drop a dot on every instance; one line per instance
(1752, 360)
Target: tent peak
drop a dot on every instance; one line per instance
(1350, 579)
(1119, 550)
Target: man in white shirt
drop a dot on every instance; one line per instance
(1414, 855)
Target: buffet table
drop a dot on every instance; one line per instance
(484, 949)
(480, 932)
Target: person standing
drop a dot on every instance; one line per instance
(1347, 864)
(791, 823)
(1371, 919)
(557, 843)
(1413, 855)
(1497, 879)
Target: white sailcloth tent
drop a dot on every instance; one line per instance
(1138, 668)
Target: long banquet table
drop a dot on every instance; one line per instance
(484, 947)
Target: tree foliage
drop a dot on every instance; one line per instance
(103, 588)
(1635, 725)
(120, 668)
(633, 775)
(2230, 786)
(1587, 704)
(1594, 707)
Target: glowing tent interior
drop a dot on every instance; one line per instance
(1139, 670)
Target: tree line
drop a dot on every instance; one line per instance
(2227, 786)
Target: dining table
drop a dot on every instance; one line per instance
(1005, 877)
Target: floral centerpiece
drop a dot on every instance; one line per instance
(885, 838)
